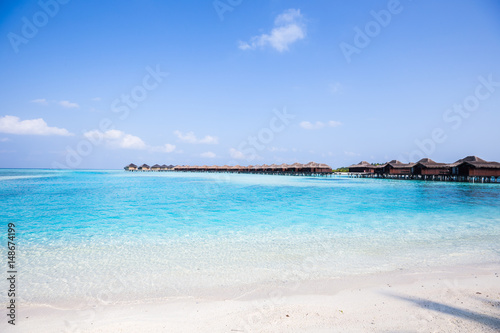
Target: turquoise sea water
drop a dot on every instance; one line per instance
(120, 236)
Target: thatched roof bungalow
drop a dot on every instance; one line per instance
(362, 167)
(309, 167)
(265, 168)
(236, 168)
(297, 167)
(323, 168)
(144, 167)
(131, 167)
(395, 167)
(273, 168)
(475, 167)
(285, 168)
(156, 167)
(256, 168)
(313, 167)
(243, 168)
(427, 167)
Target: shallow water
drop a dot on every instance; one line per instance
(121, 236)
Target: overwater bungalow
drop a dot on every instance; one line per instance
(236, 168)
(395, 167)
(470, 168)
(297, 167)
(144, 167)
(131, 167)
(427, 167)
(255, 169)
(473, 166)
(323, 168)
(362, 166)
(309, 167)
(274, 169)
(285, 168)
(312, 168)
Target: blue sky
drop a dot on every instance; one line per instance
(100, 84)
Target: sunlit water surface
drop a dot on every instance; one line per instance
(122, 236)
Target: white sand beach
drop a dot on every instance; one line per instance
(450, 299)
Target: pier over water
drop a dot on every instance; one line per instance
(296, 169)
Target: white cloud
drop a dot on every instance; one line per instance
(236, 154)
(13, 125)
(96, 99)
(129, 141)
(166, 148)
(68, 104)
(116, 139)
(119, 139)
(64, 104)
(4, 139)
(318, 125)
(288, 28)
(41, 101)
(208, 154)
(288, 16)
(190, 137)
(209, 140)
